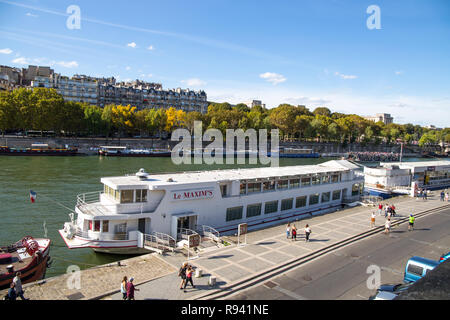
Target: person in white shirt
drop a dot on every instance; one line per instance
(18, 286)
(372, 220)
(307, 232)
(387, 226)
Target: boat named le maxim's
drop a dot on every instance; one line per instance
(137, 209)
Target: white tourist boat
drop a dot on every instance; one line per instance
(134, 211)
(389, 179)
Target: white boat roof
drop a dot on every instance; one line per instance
(228, 175)
(418, 164)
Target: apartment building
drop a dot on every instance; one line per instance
(386, 118)
(104, 91)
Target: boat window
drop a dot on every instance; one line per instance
(336, 195)
(286, 204)
(90, 225)
(306, 181)
(282, 184)
(223, 190)
(253, 210)
(120, 228)
(335, 178)
(126, 196)
(314, 199)
(326, 179)
(269, 185)
(300, 202)
(356, 189)
(294, 183)
(141, 195)
(316, 179)
(105, 226)
(253, 187)
(326, 196)
(97, 226)
(234, 213)
(271, 207)
(243, 188)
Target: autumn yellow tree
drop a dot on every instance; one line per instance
(123, 117)
(175, 119)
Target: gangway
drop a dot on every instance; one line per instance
(159, 242)
(209, 232)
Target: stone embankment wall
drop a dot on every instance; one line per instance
(84, 144)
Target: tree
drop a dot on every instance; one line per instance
(8, 112)
(323, 111)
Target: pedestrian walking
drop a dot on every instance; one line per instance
(182, 274)
(288, 230)
(386, 209)
(372, 220)
(294, 233)
(130, 289)
(123, 288)
(387, 226)
(189, 276)
(307, 233)
(18, 286)
(442, 195)
(380, 209)
(446, 196)
(11, 293)
(393, 210)
(411, 222)
(425, 194)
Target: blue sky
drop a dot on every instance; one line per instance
(315, 53)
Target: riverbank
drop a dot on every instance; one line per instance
(267, 250)
(85, 145)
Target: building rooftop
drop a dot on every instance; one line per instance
(417, 164)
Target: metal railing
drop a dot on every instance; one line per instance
(209, 232)
(160, 241)
(89, 197)
(183, 233)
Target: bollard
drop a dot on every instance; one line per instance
(212, 281)
(198, 273)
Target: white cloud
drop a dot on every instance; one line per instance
(194, 82)
(273, 78)
(143, 75)
(67, 64)
(21, 60)
(132, 45)
(128, 68)
(151, 48)
(345, 76)
(398, 73)
(6, 51)
(31, 15)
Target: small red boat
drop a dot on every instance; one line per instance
(29, 256)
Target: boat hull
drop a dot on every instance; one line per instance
(34, 271)
(110, 246)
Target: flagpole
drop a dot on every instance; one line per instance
(59, 204)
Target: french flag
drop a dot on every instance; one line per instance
(33, 196)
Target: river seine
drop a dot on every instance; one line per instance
(57, 182)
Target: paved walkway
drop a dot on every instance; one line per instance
(98, 281)
(268, 248)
